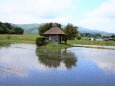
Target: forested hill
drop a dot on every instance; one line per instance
(33, 28)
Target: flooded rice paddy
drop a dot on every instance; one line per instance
(26, 65)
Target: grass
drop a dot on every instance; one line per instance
(26, 38)
(88, 42)
(51, 45)
(30, 38)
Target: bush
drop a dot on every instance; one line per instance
(40, 41)
(79, 37)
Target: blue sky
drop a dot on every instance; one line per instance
(92, 14)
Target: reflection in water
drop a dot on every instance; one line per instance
(104, 59)
(15, 59)
(5, 45)
(53, 58)
(24, 65)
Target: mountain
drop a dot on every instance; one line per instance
(33, 29)
(86, 30)
(29, 28)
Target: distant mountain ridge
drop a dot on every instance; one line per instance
(33, 29)
(86, 30)
(29, 28)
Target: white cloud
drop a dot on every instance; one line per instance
(102, 58)
(31, 11)
(102, 18)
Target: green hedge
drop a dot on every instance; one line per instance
(40, 41)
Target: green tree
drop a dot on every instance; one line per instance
(71, 31)
(64, 38)
(78, 36)
(3, 29)
(8, 25)
(7, 28)
(0, 23)
(17, 30)
(95, 35)
(44, 27)
(113, 37)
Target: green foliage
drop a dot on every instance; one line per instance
(18, 30)
(40, 41)
(96, 35)
(71, 31)
(3, 28)
(113, 37)
(106, 36)
(44, 27)
(6, 28)
(64, 38)
(57, 46)
(79, 37)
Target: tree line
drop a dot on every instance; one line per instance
(94, 35)
(111, 37)
(7, 28)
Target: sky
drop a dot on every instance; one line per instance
(91, 14)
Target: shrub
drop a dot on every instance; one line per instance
(79, 37)
(40, 41)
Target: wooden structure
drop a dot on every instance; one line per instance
(54, 34)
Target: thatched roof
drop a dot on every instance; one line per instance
(54, 31)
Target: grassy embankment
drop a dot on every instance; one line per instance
(26, 38)
(88, 42)
(30, 38)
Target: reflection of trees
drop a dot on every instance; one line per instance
(5, 45)
(53, 58)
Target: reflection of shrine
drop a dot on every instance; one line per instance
(53, 58)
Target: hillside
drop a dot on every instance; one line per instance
(86, 30)
(33, 28)
(29, 28)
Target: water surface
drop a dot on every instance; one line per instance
(26, 65)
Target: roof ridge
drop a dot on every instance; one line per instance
(55, 30)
